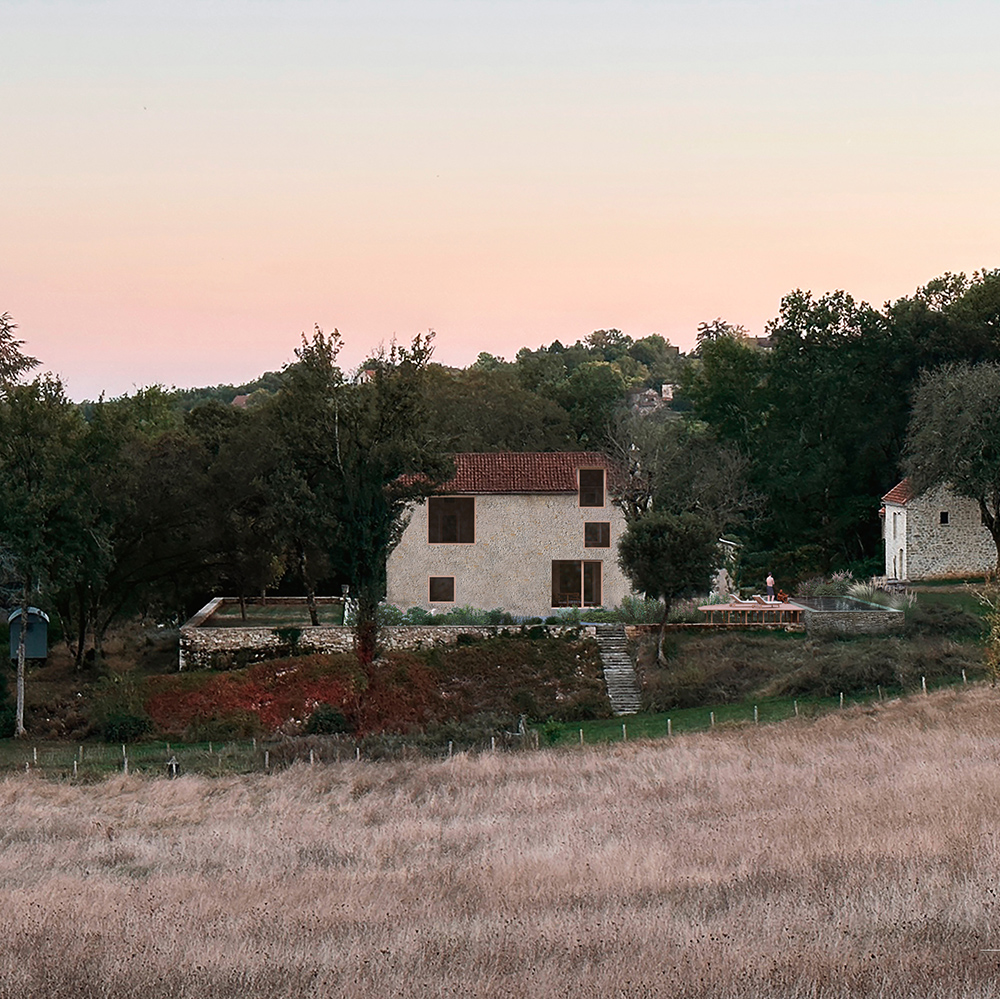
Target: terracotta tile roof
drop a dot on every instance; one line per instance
(901, 493)
(531, 472)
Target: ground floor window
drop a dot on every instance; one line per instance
(442, 589)
(576, 584)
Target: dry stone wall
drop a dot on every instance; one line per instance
(232, 647)
(852, 622)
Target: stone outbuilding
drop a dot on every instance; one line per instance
(936, 534)
(530, 533)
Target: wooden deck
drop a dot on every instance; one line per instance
(752, 613)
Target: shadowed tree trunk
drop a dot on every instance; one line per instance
(19, 729)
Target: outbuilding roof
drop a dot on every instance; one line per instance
(530, 472)
(900, 494)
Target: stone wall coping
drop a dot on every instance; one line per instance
(204, 614)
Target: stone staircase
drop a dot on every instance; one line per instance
(619, 672)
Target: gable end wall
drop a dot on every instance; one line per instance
(933, 551)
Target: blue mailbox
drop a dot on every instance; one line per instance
(36, 635)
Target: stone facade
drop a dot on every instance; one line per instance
(935, 535)
(509, 565)
(204, 647)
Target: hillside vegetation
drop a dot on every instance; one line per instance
(854, 855)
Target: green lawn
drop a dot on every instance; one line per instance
(274, 616)
(965, 600)
(654, 725)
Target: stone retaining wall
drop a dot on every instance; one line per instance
(852, 622)
(232, 647)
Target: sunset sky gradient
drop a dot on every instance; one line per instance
(186, 187)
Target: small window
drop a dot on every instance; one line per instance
(442, 589)
(944, 516)
(596, 535)
(591, 487)
(451, 520)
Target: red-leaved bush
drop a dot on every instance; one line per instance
(269, 694)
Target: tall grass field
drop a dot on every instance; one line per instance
(855, 854)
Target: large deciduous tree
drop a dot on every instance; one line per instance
(355, 455)
(42, 502)
(386, 460)
(147, 497)
(954, 437)
(679, 465)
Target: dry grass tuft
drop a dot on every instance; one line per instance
(855, 855)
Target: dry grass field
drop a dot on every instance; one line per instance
(853, 855)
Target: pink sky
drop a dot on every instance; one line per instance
(187, 187)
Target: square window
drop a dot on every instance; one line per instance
(944, 516)
(597, 535)
(451, 520)
(442, 589)
(591, 487)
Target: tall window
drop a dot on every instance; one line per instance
(451, 520)
(576, 584)
(591, 487)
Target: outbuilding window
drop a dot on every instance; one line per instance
(944, 517)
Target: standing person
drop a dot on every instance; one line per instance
(770, 586)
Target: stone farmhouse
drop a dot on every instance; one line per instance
(933, 535)
(529, 533)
